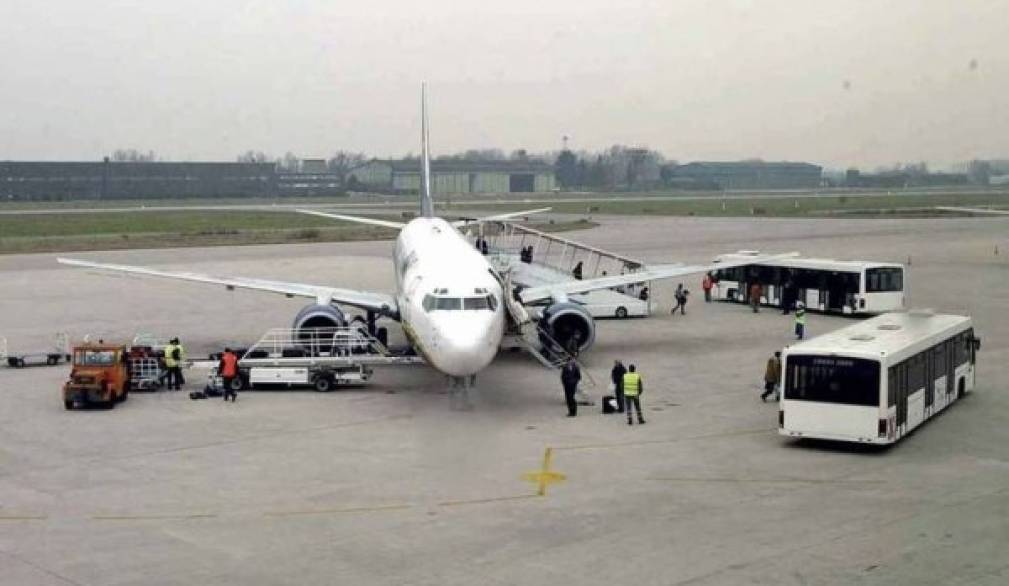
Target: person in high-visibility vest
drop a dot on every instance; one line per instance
(174, 355)
(633, 387)
(800, 320)
(228, 368)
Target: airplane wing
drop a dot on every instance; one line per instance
(653, 273)
(379, 302)
(498, 217)
(358, 219)
(986, 211)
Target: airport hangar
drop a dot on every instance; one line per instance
(449, 176)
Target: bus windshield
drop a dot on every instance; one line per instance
(884, 279)
(832, 379)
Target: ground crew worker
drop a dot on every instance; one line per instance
(772, 375)
(707, 283)
(570, 376)
(228, 368)
(755, 292)
(617, 376)
(174, 355)
(633, 387)
(800, 320)
(681, 299)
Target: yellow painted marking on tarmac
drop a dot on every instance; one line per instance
(376, 508)
(497, 499)
(152, 516)
(544, 477)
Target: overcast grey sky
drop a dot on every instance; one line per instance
(836, 82)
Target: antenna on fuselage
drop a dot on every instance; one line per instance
(426, 204)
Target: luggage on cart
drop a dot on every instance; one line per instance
(146, 373)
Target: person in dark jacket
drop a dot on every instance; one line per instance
(756, 290)
(681, 300)
(617, 376)
(772, 376)
(570, 377)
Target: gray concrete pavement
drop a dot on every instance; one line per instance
(387, 485)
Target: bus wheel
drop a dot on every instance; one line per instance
(621, 312)
(323, 384)
(961, 387)
(237, 384)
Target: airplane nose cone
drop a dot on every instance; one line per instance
(466, 349)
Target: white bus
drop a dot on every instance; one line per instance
(840, 286)
(875, 381)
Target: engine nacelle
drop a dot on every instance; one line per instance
(568, 324)
(313, 317)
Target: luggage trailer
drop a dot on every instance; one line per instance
(320, 358)
(60, 352)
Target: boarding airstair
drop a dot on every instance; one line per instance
(531, 338)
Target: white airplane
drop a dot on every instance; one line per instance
(453, 305)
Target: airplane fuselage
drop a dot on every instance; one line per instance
(450, 302)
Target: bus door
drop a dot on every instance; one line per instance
(929, 382)
(901, 397)
(950, 348)
(834, 294)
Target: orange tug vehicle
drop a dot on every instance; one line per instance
(100, 375)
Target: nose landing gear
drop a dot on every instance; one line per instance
(458, 392)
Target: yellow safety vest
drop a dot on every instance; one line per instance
(800, 316)
(170, 361)
(632, 384)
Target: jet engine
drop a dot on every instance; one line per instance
(569, 324)
(313, 317)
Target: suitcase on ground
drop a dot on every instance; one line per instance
(609, 404)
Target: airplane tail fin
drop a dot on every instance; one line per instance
(426, 203)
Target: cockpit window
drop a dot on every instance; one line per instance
(447, 303)
(475, 303)
(438, 303)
